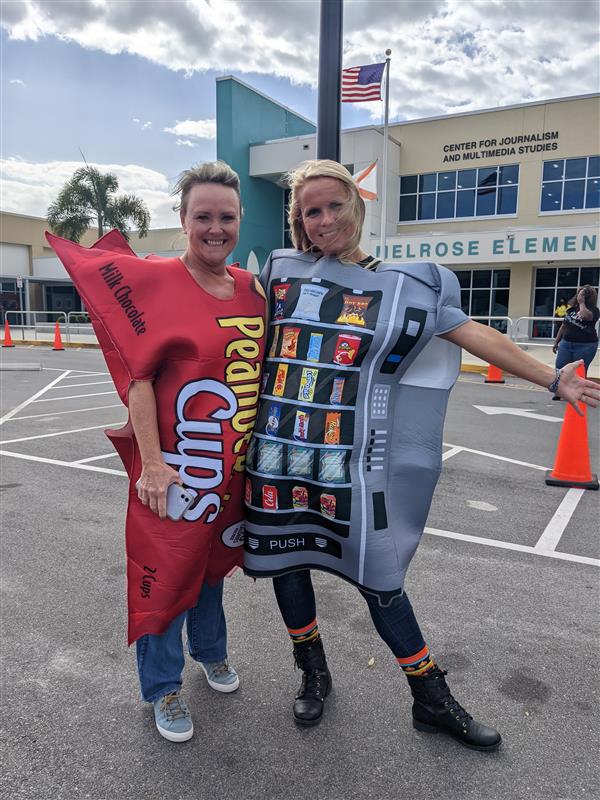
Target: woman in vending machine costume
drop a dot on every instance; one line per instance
(346, 453)
(183, 339)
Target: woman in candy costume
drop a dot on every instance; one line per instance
(184, 341)
(347, 446)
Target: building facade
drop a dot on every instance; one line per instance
(508, 198)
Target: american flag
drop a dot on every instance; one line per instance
(362, 83)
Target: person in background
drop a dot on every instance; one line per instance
(577, 337)
(560, 311)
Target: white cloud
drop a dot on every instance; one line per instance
(185, 143)
(198, 129)
(18, 82)
(446, 54)
(143, 125)
(29, 188)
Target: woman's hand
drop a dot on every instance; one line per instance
(153, 484)
(555, 348)
(577, 390)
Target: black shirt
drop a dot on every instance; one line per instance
(580, 330)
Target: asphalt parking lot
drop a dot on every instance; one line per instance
(505, 584)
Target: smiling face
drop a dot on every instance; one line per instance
(211, 221)
(326, 214)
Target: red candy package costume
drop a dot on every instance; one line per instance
(204, 355)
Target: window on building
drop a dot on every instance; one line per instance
(10, 300)
(553, 285)
(484, 294)
(458, 194)
(571, 184)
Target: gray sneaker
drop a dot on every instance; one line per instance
(173, 718)
(220, 676)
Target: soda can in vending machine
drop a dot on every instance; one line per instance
(269, 497)
(300, 497)
(328, 505)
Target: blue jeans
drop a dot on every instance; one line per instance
(573, 351)
(160, 658)
(396, 623)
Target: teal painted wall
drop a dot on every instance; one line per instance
(245, 117)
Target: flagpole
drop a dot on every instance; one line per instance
(384, 180)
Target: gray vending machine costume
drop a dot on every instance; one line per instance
(347, 446)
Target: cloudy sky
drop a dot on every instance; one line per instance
(131, 83)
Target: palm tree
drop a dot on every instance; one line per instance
(89, 196)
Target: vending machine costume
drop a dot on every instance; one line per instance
(347, 447)
(154, 322)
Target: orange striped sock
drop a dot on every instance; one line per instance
(418, 664)
(308, 633)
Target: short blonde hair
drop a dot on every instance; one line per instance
(352, 214)
(209, 172)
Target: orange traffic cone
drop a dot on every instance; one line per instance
(8, 342)
(494, 374)
(58, 345)
(572, 466)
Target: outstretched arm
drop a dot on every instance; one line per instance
(490, 345)
(156, 475)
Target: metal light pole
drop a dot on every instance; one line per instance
(384, 177)
(330, 77)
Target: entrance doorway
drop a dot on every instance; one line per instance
(61, 298)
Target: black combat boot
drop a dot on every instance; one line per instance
(316, 682)
(435, 710)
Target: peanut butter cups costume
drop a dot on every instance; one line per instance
(154, 322)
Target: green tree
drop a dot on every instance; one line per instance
(89, 197)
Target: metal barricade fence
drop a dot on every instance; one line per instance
(37, 322)
(536, 330)
(525, 331)
(78, 322)
(500, 320)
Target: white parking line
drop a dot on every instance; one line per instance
(57, 413)
(452, 452)
(84, 374)
(521, 548)
(32, 399)
(72, 465)
(548, 541)
(62, 433)
(94, 458)
(431, 531)
(497, 457)
(73, 385)
(72, 397)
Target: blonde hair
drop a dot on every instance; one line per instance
(209, 172)
(352, 214)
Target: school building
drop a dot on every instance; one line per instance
(508, 198)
